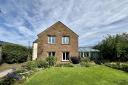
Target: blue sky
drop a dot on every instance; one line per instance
(92, 20)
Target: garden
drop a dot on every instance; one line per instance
(47, 72)
(110, 68)
(95, 75)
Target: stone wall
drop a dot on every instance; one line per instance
(59, 30)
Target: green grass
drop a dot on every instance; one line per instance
(96, 75)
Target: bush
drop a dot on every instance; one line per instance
(64, 65)
(7, 81)
(85, 62)
(24, 73)
(119, 66)
(42, 64)
(98, 62)
(14, 75)
(14, 53)
(85, 59)
(114, 48)
(30, 65)
(21, 74)
(75, 60)
(124, 67)
(51, 60)
(10, 79)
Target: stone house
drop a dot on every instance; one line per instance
(56, 41)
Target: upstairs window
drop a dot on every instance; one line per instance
(51, 53)
(51, 39)
(65, 40)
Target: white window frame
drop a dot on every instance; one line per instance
(51, 39)
(65, 40)
(51, 54)
(65, 56)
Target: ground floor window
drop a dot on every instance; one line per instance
(51, 53)
(65, 56)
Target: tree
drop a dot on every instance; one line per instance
(114, 48)
(13, 53)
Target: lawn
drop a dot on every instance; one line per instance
(95, 75)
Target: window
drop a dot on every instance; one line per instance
(65, 40)
(51, 53)
(65, 56)
(51, 39)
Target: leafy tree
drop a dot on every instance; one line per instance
(114, 48)
(13, 53)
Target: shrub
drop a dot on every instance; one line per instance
(85, 59)
(98, 62)
(10, 79)
(64, 65)
(124, 67)
(51, 60)
(7, 81)
(75, 60)
(14, 75)
(42, 64)
(14, 53)
(30, 65)
(85, 62)
(119, 66)
(114, 48)
(24, 73)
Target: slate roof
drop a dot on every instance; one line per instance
(35, 41)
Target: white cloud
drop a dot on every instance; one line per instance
(91, 19)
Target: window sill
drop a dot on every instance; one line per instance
(65, 44)
(51, 44)
(65, 60)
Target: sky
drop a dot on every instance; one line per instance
(92, 20)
